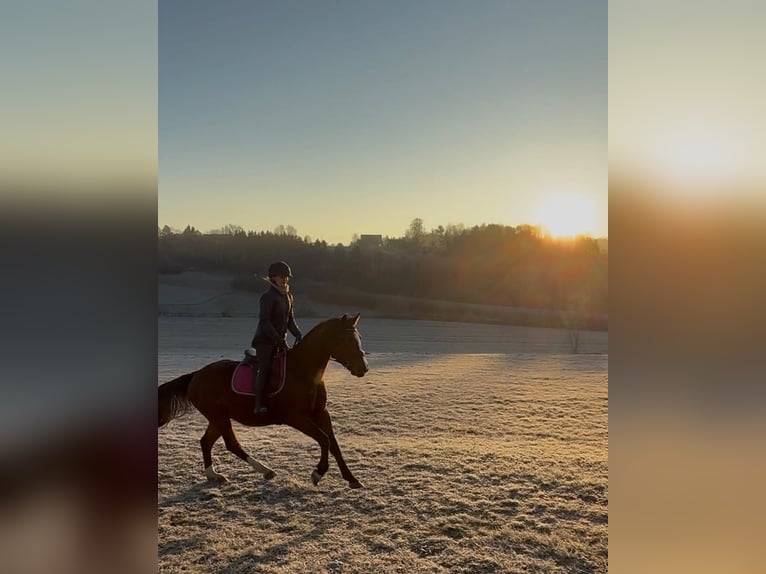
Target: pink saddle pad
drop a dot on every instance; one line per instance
(242, 379)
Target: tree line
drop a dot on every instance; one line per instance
(487, 264)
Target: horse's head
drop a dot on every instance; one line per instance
(347, 349)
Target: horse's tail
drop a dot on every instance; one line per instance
(172, 399)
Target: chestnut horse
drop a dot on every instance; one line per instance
(301, 404)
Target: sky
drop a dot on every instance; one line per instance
(354, 117)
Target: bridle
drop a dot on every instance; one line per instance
(344, 363)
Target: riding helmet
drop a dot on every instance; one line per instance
(281, 269)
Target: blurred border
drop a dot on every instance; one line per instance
(78, 216)
(687, 279)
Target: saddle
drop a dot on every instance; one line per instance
(242, 379)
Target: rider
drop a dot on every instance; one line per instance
(276, 318)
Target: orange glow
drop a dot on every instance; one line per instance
(567, 216)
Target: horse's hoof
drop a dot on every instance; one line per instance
(213, 476)
(355, 484)
(269, 475)
(316, 477)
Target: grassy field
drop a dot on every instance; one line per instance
(472, 462)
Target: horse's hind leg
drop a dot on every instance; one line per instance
(324, 422)
(232, 444)
(207, 441)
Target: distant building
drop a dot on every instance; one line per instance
(371, 240)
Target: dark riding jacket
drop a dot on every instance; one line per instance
(276, 318)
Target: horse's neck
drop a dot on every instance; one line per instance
(313, 357)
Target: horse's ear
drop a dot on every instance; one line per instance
(344, 318)
(356, 319)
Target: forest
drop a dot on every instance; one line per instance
(486, 264)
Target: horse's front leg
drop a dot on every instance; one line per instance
(324, 422)
(310, 428)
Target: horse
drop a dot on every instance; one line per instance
(301, 404)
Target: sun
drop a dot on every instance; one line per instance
(567, 215)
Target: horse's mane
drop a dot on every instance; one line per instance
(320, 328)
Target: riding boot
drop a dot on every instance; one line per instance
(259, 383)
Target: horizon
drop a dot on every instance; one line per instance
(302, 236)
